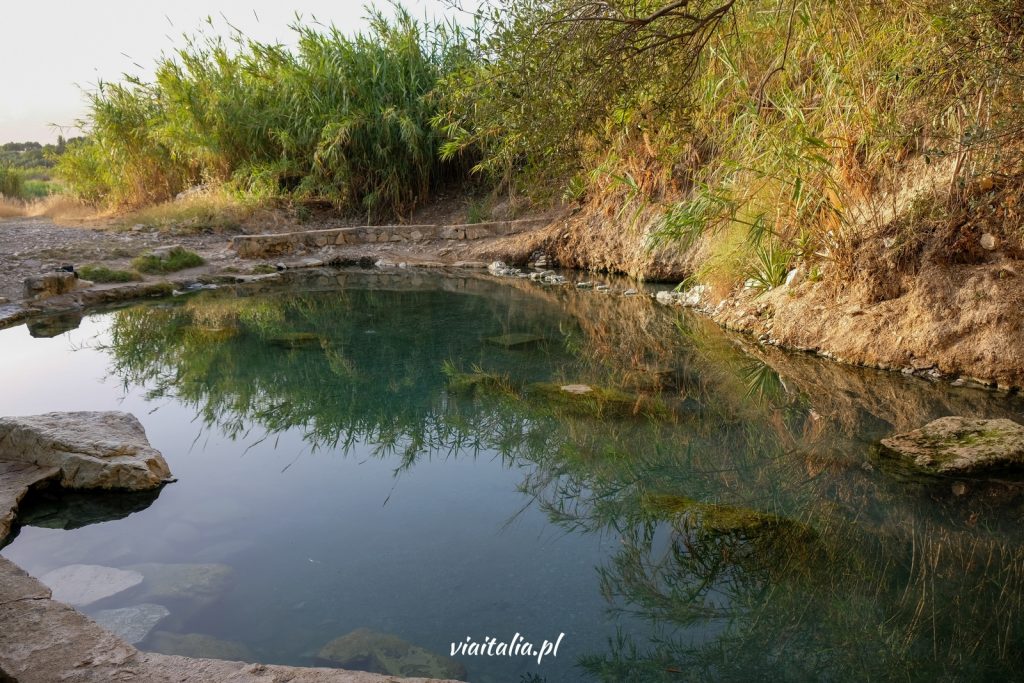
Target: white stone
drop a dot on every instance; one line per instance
(989, 241)
(83, 584)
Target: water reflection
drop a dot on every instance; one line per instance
(756, 537)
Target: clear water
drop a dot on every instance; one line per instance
(715, 513)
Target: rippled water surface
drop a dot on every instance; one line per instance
(397, 453)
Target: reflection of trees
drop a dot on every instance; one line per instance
(744, 504)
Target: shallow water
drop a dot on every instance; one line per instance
(355, 453)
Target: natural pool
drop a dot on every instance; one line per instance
(394, 452)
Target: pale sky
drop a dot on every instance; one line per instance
(49, 49)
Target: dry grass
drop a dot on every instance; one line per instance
(56, 207)
(207, 210)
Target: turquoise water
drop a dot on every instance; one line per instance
(361, 450)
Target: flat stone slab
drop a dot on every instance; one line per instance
(94, 450)
(134, 623)
(960, 445)
(85, 584)
(44, 641)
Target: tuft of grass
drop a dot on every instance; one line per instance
(104, 274)
(769, 265)
(178, 259)
(477, 212)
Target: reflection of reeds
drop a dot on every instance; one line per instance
(745, 505)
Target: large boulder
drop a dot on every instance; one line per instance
(959, 446)
(94, 450)
(366, 650)
(52, 284)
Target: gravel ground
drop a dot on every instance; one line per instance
(30, 246)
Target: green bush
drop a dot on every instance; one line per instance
(177, 259)
(104, 274)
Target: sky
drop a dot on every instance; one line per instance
(51, 49)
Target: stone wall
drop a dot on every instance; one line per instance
(262, 246)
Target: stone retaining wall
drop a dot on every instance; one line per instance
(262, 246)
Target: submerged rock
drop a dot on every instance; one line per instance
(367, 650)
(199, 645)
(960, 445)
(134, 623)
(80, 585)
(586, 400)
(100, 450)
(196, 583)
(515, 340)
(295, 340)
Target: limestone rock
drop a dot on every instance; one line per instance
(52, 284)
(368, 650)
(84, 584)
(989, 242)
(960, 445)
(133, 623)
(498, 268)
(15, 481)
(199, 645)
(101, 450)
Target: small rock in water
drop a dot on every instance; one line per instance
(498, 268)
(367, 650)
(515, 340)
(630, 292)
(960, 445)
(577, 389)
(585, 285)
(202, 583)
(199, 645)
(132, 624)
(84, 584)
(666, 297)
(295, 340)
(602, 288)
